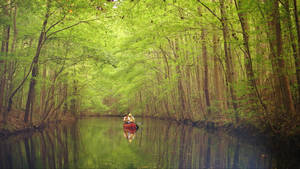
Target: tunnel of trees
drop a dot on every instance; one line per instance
(226, 61)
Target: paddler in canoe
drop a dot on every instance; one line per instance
(129, 127)
(128, 118)
(129, 122)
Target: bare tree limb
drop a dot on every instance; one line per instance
(212, 12)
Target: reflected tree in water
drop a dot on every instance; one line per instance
(101, 144)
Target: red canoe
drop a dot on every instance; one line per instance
(130, 126)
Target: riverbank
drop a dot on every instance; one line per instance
(15, 124)
(277, 144)
(287, 148)
(244, 130)
(98, 115)
(173, 143)
(4, 132)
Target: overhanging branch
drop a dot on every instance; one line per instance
(68, 27)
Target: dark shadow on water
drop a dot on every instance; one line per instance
(100, 143)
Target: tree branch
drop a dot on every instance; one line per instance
(52, 26)
(10, 101)
(212, 12)
(68, 27)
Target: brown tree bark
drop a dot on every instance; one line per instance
(216, 79)
(175, 48)
(247, 54)
(65, 106)
(275, 40)
(198, 60)
(205, 62)
(289, 34)
(43, 91)
(228, 59)
(245, 29)
(167, 77)
(73, 106)
(297, 60)
(181, 92)
(12, 63)
(34, 73)
(187, 73)
(4, 64)
(216, 67)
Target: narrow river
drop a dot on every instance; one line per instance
(102, 143)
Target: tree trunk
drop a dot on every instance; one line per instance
(12, 63)
(228, 59)
(198, 61)
(205, 62)
(3, 64)
(186, 53)
(288, 20)
(216, 77)
(43, 91)
(74, 99)
(34, 73)
(247, 53)
(245, 30)
(278, 60)
(297, 60)
(65, 106)
(179, 80)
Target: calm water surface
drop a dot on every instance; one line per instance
(102, 143)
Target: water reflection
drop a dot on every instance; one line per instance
(100, 143)
(129, 134)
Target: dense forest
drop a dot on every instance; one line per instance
(225, 61)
